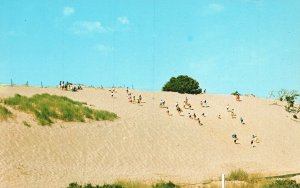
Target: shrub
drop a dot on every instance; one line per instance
(235, 93)
(4, 113)
(75, 185)
(165, 185)
(47, 107)
(239, 175)
(283, 183)
(182, 84)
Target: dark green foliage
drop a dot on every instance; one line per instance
(4, 113)
(235, 93)
(47, 107)
(165, 185)
(284, 184)
(182, 84)
(75, 185)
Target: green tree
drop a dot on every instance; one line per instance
(182, 84)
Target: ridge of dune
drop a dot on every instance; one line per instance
(145, 143)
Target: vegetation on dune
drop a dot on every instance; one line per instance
(241, 179)
(235, 93)
(283, 183)
(165, 185)
(4, 113)
(47, 107)
(288, 96)
(124, 184)
(182, 84)
(238, 175)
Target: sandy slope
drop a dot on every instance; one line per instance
(145, 143)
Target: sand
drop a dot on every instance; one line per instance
(145, 143)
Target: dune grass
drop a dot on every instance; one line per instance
(241, 179)
(4, 113)
(126, 184)
(238, 175)
(46, 108)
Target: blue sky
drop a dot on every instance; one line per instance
(252, 46)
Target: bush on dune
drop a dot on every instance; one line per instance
(182, 84)
(4, 113)
(238, 175)
(283, 183)
(47, 107)
(235, 93)
(165, 185)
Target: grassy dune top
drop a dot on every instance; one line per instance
(47, 107)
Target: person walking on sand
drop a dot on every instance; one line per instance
(238, 97)
(178, 109)
(234, 136)
(140, 98)
(242, 120)
(227, 107)
(129, 98)
(201, 103)
(168, 112)
(199, 122)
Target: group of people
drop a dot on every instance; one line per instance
(204, 103)
(191, 115)
(69, 86)
(253, 141)
(254, 138)
(179, 110)
(132, 99)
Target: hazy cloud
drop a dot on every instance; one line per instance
(123, 20)
(68, 11)
(86, 27)
(215, 7)
(104, 48)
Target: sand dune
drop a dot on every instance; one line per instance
(145, 143)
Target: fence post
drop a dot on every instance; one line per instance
(223, 180)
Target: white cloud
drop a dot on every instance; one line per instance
(86, 27)
(215, 7)
(104, 48)
(68, 11)
(123, 20)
